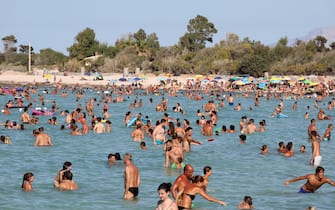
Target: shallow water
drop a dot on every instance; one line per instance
(238, 170)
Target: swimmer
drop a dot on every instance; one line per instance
(314, 181)
(246, 203)
(143, 145)
(27, 180)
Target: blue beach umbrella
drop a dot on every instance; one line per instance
(122, 79)
(137, 79)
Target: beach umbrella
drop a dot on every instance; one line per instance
(137, 79)
(217, 77)
(307, 81)
(234, 79)
(205, 80)
(262, 85)
(313, 84)
(301, 78)
(239, 82)
(122, 79)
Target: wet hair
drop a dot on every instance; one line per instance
(243, 137)
(224, 128)
(164, 186)
(207, 169)
(197, 179)
(314, 133)
(318, 169)
(187, 129)
(289, 146)
(232, 127)
(68, 175)
(142, 144)
(26, 177)
(66, 165)
(264, 147)
(248, 199)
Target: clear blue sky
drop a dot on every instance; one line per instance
(54, 24)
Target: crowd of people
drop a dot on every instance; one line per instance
(175, 136)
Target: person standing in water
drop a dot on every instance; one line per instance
(132, 179)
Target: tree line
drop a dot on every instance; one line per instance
(232, 56)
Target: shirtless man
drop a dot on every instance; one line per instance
(207, 129)
(182, 180)
(314, 181)
(312, 127)
(158, 135)
(138, 134)
(180, 132)
(25, 118)
(42, 139)
(243, 125)
(316, 154)
(251, 127)
(173, 155)
(132, 178)
(188, 139)
(327, 134)
(99, 127)
(231, 100)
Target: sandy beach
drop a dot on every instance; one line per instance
(25, 78)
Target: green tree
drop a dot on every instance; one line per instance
(257, 62)
(9, 43)
(85, 45)
(281, 50)
(320, 43)
(332, 46)
(199, 32)
(51, 57)
(152, 45)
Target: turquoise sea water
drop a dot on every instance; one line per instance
(238, 170)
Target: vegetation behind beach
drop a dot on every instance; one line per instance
(230, 56)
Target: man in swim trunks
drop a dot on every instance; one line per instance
(314, 181)
(132, 178)
(158, 135)
(173, 153)
(231, 100)
(316, 154)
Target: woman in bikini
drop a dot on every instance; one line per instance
(189, 192)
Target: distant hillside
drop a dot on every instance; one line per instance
(327, 32)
